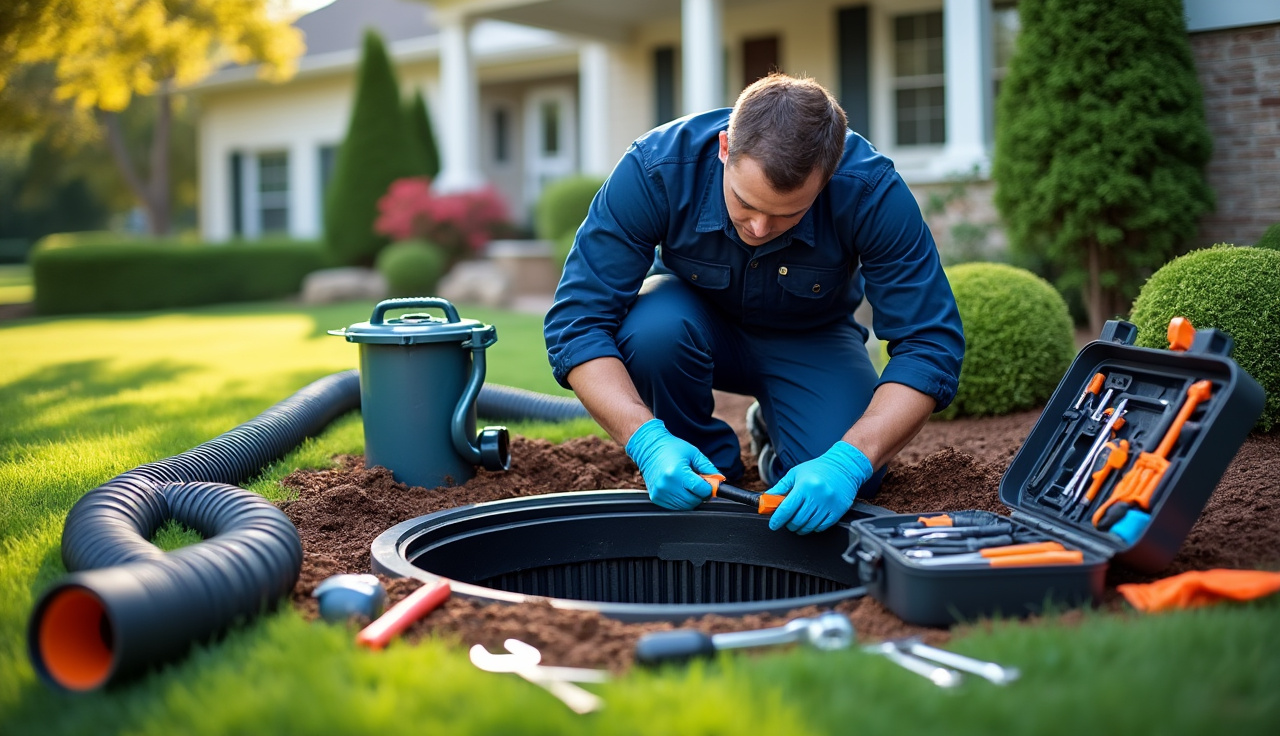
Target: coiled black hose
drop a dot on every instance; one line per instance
(127, 605)
(504, 403)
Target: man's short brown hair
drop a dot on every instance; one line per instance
(790, 126)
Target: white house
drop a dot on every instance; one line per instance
(525, 91)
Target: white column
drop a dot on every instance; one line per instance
(459, 111)
(304, 189)
(967, 44)
(702, 54)
(594, 71)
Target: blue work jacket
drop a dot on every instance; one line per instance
(864, 233)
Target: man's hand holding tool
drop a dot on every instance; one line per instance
(820, 491)
(672, 468)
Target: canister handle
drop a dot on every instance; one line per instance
(386, 305)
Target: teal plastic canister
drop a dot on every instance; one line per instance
(419, 378)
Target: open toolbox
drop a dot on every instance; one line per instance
(1118, 466)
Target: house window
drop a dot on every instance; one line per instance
(273, 192)
(759, 58)
(919, 94)
(501, 135)
(1005, 26)
(327, 156)
(664, 83)
(237, 194)
(550, 112)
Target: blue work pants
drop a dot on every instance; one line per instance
(812, 385)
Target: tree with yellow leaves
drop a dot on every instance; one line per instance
(100, 53)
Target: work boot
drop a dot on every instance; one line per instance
(761, 447)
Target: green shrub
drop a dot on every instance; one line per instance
(163, 274)
(412, 267)
(1018, 339)
(1101, 144)
(562, 208)
(1236, 290)
(1270, 240)
(375, 153)
(422, 139)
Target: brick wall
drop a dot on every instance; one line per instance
(1239, 70)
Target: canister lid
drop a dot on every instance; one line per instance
(414, 329)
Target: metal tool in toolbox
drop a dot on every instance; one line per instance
(826, 632)
(1117, 469)
(525, 660)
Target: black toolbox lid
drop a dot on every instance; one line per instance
(1154, 385)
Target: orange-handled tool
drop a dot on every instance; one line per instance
(1116, 459)
(1052, 557)
(764, 503)
(1009, 550)
(1138, 485)
(422, 601)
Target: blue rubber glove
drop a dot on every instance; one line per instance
(821, 490)
(670, 466)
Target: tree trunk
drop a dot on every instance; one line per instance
(153, 195)
(1094, 298)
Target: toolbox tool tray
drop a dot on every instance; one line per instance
(1158, 385)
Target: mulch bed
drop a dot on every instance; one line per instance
(950, 465)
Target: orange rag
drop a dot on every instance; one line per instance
(1200, 588)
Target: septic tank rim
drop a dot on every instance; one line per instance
(388, 558)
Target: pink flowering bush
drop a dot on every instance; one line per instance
(459, 223)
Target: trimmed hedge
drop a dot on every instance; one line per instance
(1236, 290)
(412, 267)
(134, 276)
(1018, 339)
(562, 208)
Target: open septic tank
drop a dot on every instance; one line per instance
(617, 553)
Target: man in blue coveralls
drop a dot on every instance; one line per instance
(770, 221)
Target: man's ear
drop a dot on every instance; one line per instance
(724, 147)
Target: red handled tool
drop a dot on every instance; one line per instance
(399, 617)
(764, 503)
(1138, 485)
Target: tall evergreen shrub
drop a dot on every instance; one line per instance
(1101, 143)
(371, 157)
(422, 138)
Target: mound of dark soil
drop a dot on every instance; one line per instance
(950, 465)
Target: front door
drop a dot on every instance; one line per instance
(551, 139)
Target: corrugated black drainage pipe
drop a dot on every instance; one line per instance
(127, 605)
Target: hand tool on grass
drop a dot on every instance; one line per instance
(422, 601)
(826, 632)
(1063, 557)
(1074, 487)
(525, 660)
(1070, 419)
(991, 552)
(940, 676)
(764, 503)
(1136, 488)
(990, 671)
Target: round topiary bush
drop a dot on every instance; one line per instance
(1018, 339)
(562, 208)
(1236, 290)
(412, 267)
(1270, 239)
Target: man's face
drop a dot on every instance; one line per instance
(759, 212)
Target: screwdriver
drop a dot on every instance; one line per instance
(764, 503)
(985, 557)
(1012, 550)
(960, 532)
(1070, 419)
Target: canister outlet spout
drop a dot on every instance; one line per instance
(492, 447)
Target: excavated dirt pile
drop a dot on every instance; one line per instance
(950, 465)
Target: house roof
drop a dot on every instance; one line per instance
(340, 26)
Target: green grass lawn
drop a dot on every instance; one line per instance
(15, 284)
(85, 398)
